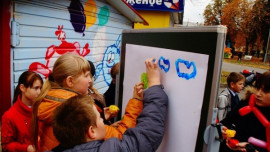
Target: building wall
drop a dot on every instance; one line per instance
(48, 29)
(156, 19)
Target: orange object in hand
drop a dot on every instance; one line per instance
(113, 108)
(230, 133)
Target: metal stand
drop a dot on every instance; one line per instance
(211, 135)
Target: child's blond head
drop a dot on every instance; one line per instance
(69, 65)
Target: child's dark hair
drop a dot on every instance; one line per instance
(27, 78)
(115, 70)
(72, 119)
(92, 68)
(234, 77)
(263, 82)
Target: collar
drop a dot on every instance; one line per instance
(233, 93)
(60, 94)
(22, 108)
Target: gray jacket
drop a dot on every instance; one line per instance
(148, 133)
(224, 104)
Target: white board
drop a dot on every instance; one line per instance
(185, 92)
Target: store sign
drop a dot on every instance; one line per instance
(157, 5)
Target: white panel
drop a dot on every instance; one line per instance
(46, 42)
(35, 53)
(27, 19)
(20, 65)
(59, 6)
(26, 53)
(34, 31)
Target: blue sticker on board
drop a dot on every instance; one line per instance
(188, 65)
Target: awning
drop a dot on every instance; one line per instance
(123, 7)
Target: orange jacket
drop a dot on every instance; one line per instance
(133, 109)
(55, 97)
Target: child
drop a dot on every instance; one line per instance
(98, 98)
(110, 93)
(70, 77)
(16, 121)
(132, 111)
(129, 120)
(133, 108)
(88, 132)
(248, 125)
(228, 98)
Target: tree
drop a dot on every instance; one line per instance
(213, 12)
(237, 17)
(262, 13)
(248, 21)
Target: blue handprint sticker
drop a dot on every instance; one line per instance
(188, 64)
(165, 65)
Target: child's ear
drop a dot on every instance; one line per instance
(22, 88)
(69, 81)
(91, 132)
(231, 85)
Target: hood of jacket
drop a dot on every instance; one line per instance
(248, 92)
(52, 100)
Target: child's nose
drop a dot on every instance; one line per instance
(38, 91)
(259, 92)
(90, 79)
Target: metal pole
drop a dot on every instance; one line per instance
(265, 55)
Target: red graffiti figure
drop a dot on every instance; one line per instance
(251, 108)
(55, 51)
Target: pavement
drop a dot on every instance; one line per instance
(230, 67)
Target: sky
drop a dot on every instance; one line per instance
(193, 11)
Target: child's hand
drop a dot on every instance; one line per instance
(224, 133)
(108, 115)
(138, 91)
(153, 72)
(241, 146)
(31, 148)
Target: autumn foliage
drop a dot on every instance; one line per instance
(248, 21)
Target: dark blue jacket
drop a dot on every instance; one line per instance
(148, 133)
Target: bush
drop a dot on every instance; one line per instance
(227, 55)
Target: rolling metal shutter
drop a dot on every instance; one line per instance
(44, 30)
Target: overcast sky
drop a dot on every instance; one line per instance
(193, 10)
